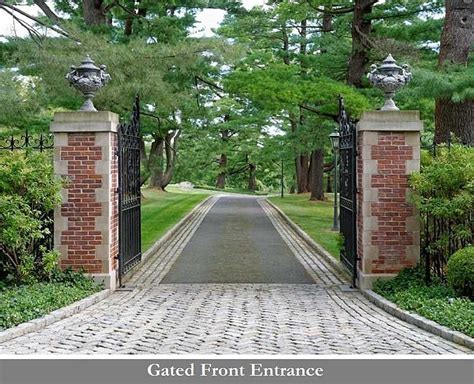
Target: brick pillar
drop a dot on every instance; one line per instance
(388, 231)
(86, 223)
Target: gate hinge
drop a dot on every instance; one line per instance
(117, 190)
(116, 152)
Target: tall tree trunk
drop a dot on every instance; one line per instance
(316, 168)
(301, 162)
(361, 28)
(329, 183)
(155, 163)
(327, 21)
(303, 46)
(286, 46)
(317, 160)
(225, 135)
(310, 172)
(252, 185)
(301, 174)
(220, 182)
(129, 21)
(171, 147)
(302, 169)
(160, 169)
(128, 26)
(94, 12)
(456, 40)
(145, 174)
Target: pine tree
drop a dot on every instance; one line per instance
(456, 42)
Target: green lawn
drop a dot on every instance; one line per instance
(313, 217)
(161, 210)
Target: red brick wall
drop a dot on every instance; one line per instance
(81, 208)
(390, 211)
(392, 208)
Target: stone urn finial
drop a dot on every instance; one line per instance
(88, 79)
(389, 77)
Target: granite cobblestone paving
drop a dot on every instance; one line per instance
(154, 318)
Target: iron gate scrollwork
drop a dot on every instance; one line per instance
(348, 186)
(129, 200)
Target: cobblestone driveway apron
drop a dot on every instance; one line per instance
(218, 318)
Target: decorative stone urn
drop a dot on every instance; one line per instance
(88, 79)
(389, 77)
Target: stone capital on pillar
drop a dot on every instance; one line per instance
(387, 227)
(86, 223)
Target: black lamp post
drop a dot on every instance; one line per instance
(334, 137)
(282, 185)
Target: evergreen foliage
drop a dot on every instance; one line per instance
(261, 69)
(443, 192)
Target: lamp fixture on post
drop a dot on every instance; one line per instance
(334, 137)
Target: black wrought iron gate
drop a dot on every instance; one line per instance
(348, 185)
(129, 200)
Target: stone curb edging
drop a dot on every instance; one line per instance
(52, 317)
(318, 248)
(418, 320)
(382, 303)
(166, 237)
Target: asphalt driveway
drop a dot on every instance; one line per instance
(237, 243)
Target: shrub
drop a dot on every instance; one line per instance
(50, 263)
(460, 272)
(28, 194)
(443, 192)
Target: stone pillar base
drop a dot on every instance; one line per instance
(109, 280)
(365, 281)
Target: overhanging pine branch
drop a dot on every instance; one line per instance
(4, 5)
(211, 84)
(317, 111)
(48, 11)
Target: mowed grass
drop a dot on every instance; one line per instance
(313, 217)
(161, 210)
